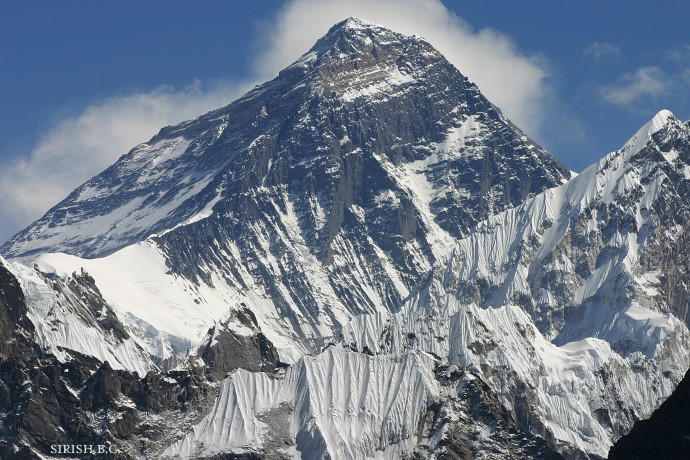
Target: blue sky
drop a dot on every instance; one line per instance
(81, 82)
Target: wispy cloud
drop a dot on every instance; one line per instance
(685, 75)
(602, 51)
(644, 83)
(79, 147)
(679, 54)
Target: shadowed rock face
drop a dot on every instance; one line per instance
(15, 329)
(225, 350)
(484, 428)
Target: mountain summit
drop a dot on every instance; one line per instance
(326, 192)
(362, 87)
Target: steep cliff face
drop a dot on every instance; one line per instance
(596, 256)
(225, 348)
(14, 326)
(582, 263)
(580, 397)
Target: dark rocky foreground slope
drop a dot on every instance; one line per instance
(46, 402)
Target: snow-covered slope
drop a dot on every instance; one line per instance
(170, 314)
(562, 304)
(559, 306)
(580, 396)
(339, 404)
(70, 315)
(582, 259)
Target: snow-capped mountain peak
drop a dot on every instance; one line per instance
(355, 34)
(301, 122)
(645, 133)
(326, 192)
(366, 217)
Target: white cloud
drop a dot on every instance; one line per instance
(511, 79)
(679, 54)
(645, 82)
(602, 50)
(82, 146)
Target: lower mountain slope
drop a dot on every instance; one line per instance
(580, 397)
(53, 395)
(342, 404)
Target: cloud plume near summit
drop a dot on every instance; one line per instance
(76, 148)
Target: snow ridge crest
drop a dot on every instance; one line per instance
(643, 135)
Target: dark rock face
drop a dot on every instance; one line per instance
(666, 434)
(14, 326)
(668, 255)
(483, 429)
(16, 333)
(36, 404)
(225, 350)
(113, 408)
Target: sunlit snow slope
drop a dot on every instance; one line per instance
(70, 315)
